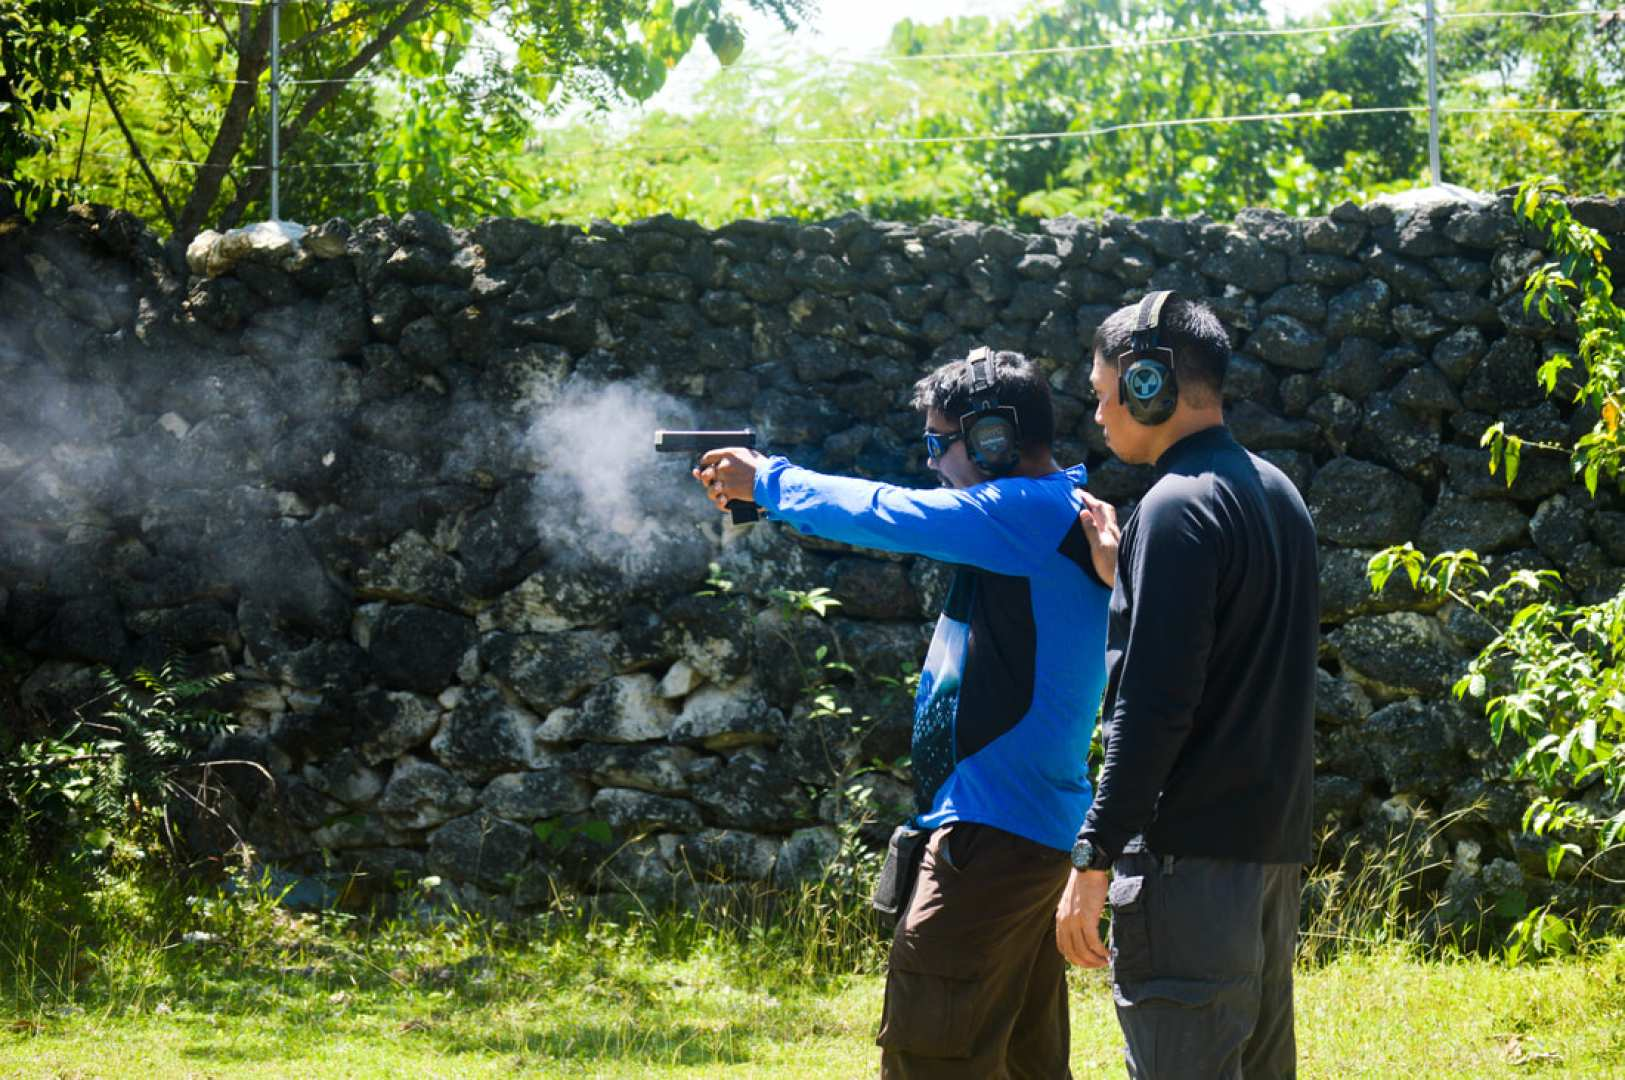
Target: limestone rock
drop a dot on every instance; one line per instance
(623, 709)
(545, 792)
(1397, 655)
(484, 735)
(1358, 504)
(421, 794)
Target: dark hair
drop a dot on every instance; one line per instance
(1017, 382)
(1200, 345)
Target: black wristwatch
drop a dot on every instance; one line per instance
(1087, 856)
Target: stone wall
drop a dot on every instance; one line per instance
(397, 477)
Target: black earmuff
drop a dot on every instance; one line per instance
(1145, 381)
(992, 431)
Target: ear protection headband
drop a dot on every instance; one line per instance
(992, 431)
(1145, 381)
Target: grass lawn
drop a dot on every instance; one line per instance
(609, 1002)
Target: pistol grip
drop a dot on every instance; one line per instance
(743, 512)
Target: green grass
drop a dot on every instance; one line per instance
(675, 998)
(125, 975)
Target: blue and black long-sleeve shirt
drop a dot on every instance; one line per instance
(1012, 681)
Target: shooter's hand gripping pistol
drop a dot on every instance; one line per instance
(701, 442)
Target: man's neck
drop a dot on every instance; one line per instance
(1036, 466)
(1184, 422)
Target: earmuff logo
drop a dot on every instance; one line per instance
(1145, 383)
(992, 431)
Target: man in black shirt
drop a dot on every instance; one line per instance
(1201, 819)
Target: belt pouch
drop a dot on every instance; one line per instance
(896, 882)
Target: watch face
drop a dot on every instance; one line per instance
(1083, 853)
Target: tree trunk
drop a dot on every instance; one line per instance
(253, 53)
(256, 183)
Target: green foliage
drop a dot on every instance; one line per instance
(385, 106)
(49, 51)
(902, 139)
(1533, 64)
(1554, 672)
(109, 783)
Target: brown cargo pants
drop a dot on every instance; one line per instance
(976, 988)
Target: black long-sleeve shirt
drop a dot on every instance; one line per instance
(1210, 654)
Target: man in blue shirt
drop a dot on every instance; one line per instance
(1007, 701)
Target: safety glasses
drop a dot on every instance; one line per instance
(939, 443)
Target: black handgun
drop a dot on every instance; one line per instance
(700, 442)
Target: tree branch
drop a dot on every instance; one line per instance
(135, 147)
(252, 57)
(324, 95)
(299, 44)
(220, 22)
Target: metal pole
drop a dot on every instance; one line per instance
(1433, 94)
(276, 108)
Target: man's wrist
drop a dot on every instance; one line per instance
(1087, 854)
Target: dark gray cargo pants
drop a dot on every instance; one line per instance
(1202, 965)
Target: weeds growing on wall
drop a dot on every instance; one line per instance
(110, 785)
(1553, 675)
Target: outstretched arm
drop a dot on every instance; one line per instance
(968, 526)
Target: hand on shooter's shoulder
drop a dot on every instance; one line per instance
(729, 474)
(1099, 520)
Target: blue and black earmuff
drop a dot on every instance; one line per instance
(992, 431)
(1145, 382)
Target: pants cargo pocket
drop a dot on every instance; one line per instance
(933, 1001)
(1131, 929)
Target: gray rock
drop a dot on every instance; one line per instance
(727, 855)
(1481, 228)
(1398, 437)
(1345, 587)
(413, 571)
(1468, 474)
(1413, 747)
(1426, 390)
(1463, 307)
(418, 648)
(1331, 237)
(806, 856)
(629, 811)
(1355, 370)
(1339, 702)
(1306, 303)
(1287, 342)
(1505, 378)
(1609, 528)
(719, 718)
(421, 794)
(663, 770)
(1330, 271)
(1257, 428)
(549, 670)
(753, 791)
(872, 589)
(1479, 525)
(1358, 504)
(1246, 262)
(536, 794)
(1360, 311)
(1558, 529)
(484, 735)
(1397, 655)
(482, 849)
(1246, 379)
(624, 709)
(1419, 324)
